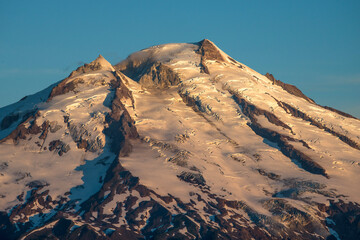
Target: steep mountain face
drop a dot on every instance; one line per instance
(178, 141)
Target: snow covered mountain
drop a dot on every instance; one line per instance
(178, 141)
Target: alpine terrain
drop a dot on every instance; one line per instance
(178, 141)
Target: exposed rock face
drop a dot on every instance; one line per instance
(121, 127)
(297, 92)
(122, 90)
(289, 88)
(98, 64)
(339, 112)
(59, 146)
(160, 76)
(66, 86)
(22, 130)
(9, 120)
(209, 51)
(297, 113)
(194, 178)
(151, 74)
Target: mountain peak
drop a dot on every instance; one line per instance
(210, 51)
(69, 83)
(101, 60)
(207, 41)
(180, 142)
(100, 63)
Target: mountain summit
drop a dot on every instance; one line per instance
(178, 141)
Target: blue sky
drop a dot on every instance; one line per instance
(311, 44)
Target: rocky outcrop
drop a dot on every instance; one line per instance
(12, 118)
(121, 127)
(208, 51)
(193, 178)
(299, 114)
(66, 86)
(59, 146)
(99, 63)
(270, 175)
(252, 110)
(22, 130)
(122, 90)
(29, 127)
(289, 88)
(150, 74)
(339, 112)
(159, 76)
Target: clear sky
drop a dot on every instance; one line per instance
(313, 44)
